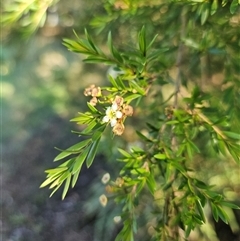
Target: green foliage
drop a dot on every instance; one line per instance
(30, 15)
(181, 117)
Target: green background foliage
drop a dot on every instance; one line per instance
(180, 72)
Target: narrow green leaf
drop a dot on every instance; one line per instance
(214, 212)
(156, 54)
(194, 147)
(80, 159)
(92, 152)
(172, 122)
(96, 135)
(222, 214)
(92, 108)
(189, 150)
(205, 13)
(75, 177)
(109, 40)
(72, 150)
(151, 183)
(188, 230)
(83, 118)
(222, 147)
(135, 86)
(64, 176)
(75, 46)
(232, 135)
(143, 137)
(233, 6)
(200, 210)
(124, 153)
(178, 166)
(113, 81)
(56, 188)
(120, 82)
(55, 182)
(49, 180)
(214, 7)
(114, 51)
(132, 97)
(190, 186)
(137, 149)
(90, 42)
(160, 156)
(56, 170)
(90, 127)
(234, 155)
(152, 41)
(230, 205)
(98, 59)
(200, 184)
(140, 186)
(66, 186)
(142, 41)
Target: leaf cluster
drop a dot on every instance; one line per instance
(183, 127)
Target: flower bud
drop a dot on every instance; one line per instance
(93, 101)
(118, 129)
(128, 110)
(118, 100)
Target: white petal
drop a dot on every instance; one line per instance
(108, 111)
(113, 122)
(119, 114)
(105, 119)
(114, 106)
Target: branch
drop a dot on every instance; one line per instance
(180, 54)
(215, 128)
(179, 64)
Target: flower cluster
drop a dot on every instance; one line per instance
(116, 114)
(93, 91)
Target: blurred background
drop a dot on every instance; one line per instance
(42, 89)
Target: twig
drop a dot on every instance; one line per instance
(179, 64)
(180, 57)
(215, 128)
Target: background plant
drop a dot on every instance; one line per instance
(183, 119)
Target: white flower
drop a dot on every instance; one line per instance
(112, 114)
(103, 200)
(114, 107)
(117, 219)
(119, 114)
(113, 122)
(105, 178)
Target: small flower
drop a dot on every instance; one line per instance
(118, 129)
(96, 92)
(128, 110)
(93, 101)
(109, 189)
(117, 219)
(105, 178)
(118, 100)
(119, 182)
(116, 114)
(112, 114)
(103, 200)
(88, 90)
(93, 91)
